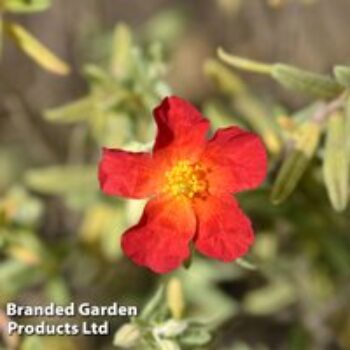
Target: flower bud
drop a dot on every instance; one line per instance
(170, 328)
(168, 345)
(127, 336)
(175, 298)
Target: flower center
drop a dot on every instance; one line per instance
(186, 179)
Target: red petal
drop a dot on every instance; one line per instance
(237, 160)
(126, 174)
(224, 232)
(160, 241)
(181, 126)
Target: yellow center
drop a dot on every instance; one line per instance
(186, 179)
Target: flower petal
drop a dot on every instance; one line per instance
(127, 174)
(237, 160)
(181, 126)
(160, 241)
(224, 232)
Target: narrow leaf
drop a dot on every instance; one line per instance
(244, 64)
(1, 32)
(73, 112)
(32, 342)
(308, 83)
(26, 6)
(335, 165)
(154, 304)
(195, 338)
(34, 49)
(224, 78)
(296, 162)
(62, 180)
(342, 74)
(57, 291)
(293, 78)
(128, 336)
(347, 125)
(254, 112)
(166, 344)
(245, 264)
(121, 50)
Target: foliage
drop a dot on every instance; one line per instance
(59, 236)
(26, 41)
(161, 325)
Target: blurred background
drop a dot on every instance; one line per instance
(59, 236)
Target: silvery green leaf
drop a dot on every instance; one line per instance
(166, 344)
(35, 49)
(121, 50)
(154, 304)
(81, 109)
(32, 342)
(296, 162)
(170, 328)
(336, 163)
(195, 337)
(127, 336)
(26, 6)
(342, 74)
(308, 83)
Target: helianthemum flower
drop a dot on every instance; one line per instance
(189, 180)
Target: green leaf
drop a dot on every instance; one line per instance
(195, 337)
(336, 163)
(61, 180)
(166, 344)
(127, 336)
(224, 78)
(259, 118)
(347, 124)
(34, 49)
(121, 50)
(111, 129)
(170, 328)
(246, 264)
(33, 342)
(1, 32)
(15, 276)
(57, 291)
(219, 116)
(203, 277)
(276, 296)
(342, 75)
(26, 6)
(293, 78)
(73, 112)
(102, 226)
(296, 162)
(154, 304)
(308, 83)
(245, 64)
(252, 110)
(27, 248)
(26, 210)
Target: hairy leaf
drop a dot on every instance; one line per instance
(342, 74)
(308, 83)
(36, 50)
(336, 165)
(26, 6)
(296, 162)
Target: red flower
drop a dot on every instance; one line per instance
(189, 180)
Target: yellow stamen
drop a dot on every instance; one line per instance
(186, 179)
